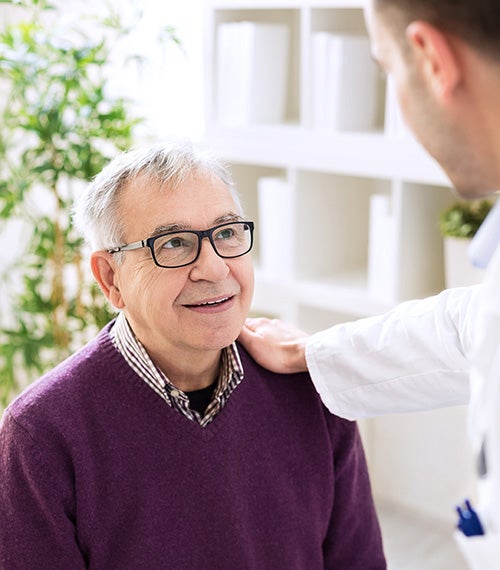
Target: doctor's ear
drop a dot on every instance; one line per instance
(104, 269)
(435, 56)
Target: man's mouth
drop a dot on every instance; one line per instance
(212, 303)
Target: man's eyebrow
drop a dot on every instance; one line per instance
(230, 217)
(179, 227)
(168, 228)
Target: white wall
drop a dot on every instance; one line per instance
(169, 88)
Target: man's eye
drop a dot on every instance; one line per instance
(226, 233)
(174, 243)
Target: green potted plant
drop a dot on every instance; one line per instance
(58, 127)
(458, 225)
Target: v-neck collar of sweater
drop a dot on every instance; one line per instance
(131, 382)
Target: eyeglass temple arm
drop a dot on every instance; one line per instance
(128, 247)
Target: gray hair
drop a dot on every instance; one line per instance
(95, 214)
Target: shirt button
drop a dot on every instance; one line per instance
(175, 393)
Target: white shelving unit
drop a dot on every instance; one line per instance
(361, 212)
(331, 175)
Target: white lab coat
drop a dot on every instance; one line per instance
(431, 353)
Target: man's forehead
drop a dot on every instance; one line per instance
(152, 206)
(145, 186)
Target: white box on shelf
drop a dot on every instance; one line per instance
(382, 251)
(395, 125)
(252, 72)
(319, 60)
(275, 227)
(344, 82)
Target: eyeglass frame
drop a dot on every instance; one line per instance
(149, 242)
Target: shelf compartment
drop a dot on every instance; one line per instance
(290, 18)
(421, 248)
(346, 295)
(312, 320)
(332, 224)
(246, 180)
(343, 89)
(273, 299)
(338, 20)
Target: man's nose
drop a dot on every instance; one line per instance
(209, 266)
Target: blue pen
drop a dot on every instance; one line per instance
(468, 520)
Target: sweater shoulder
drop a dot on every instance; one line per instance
(295, 389)
(60, 388)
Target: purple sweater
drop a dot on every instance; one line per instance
(97, 471)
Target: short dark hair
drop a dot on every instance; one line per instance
(475, 21)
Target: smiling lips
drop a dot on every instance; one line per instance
(213, 305)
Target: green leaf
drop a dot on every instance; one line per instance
(463, 218)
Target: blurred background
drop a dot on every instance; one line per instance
(352, 216)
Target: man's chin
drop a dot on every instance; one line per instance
(472, 192)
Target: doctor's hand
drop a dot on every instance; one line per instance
(275, 345)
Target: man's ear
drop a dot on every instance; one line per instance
(104, 269)
(435, 55)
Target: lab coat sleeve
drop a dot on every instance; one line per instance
(413, 358)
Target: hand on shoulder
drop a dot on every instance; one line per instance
(275, 345)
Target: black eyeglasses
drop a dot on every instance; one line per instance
(180, 248)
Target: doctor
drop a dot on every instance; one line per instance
(444, 58)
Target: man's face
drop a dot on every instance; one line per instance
(167, 308)
(448, 130)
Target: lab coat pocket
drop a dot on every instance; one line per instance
(481, 552)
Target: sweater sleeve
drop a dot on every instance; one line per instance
(37, 518)
(353, 539)
(413, 358)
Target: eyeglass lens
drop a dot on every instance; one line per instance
(181, 248)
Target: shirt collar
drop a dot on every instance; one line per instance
(134, 352)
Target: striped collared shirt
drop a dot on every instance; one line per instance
(230, 374)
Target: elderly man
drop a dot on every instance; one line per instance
(161, 444)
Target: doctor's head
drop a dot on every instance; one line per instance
(444, 59)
